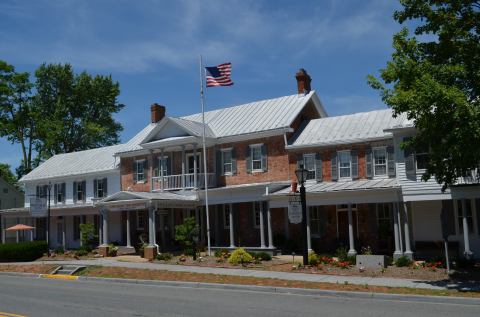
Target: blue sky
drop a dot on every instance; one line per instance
(152, 48)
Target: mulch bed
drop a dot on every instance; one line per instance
(37, 269)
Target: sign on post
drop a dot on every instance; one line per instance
(295, 210)
(38, 207)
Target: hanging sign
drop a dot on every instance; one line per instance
(295, 210)
(38, 207)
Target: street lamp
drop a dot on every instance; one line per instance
(48, 218)
(302, 175)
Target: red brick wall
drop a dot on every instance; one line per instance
(277, 161)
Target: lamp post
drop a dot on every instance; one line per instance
(302, 175)
(48, 219)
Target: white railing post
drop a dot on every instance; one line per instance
(183, 166)
(195, 164)
(161, 170)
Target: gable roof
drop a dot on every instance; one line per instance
(84, 162)
(347, 129)
(258, 116)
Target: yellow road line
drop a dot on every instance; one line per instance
(60, 277)
(3, 314)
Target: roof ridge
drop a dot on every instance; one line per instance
(353, 114)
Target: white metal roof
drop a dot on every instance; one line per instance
(263, 115)
(195, 128)
(352, 128)
(84, 162)
(363, 184)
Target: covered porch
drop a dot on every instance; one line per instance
(351, 214)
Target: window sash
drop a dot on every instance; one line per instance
(309, 164)
(227, 161)
(380, 161)
(345, 164)
(139, 170)
(79, 191)
(256, 158)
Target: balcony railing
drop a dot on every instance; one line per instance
(473, 177)
(183, 181)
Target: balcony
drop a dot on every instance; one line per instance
(183, 181)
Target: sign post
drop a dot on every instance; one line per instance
(445, 234)
(295, 209)
(38, 207)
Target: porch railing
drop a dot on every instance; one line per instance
(472, 177)
(183, 181)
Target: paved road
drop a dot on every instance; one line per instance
(44, 297)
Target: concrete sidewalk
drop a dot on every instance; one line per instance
(306, 277)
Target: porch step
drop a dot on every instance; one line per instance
(122, 250)
(68, 269)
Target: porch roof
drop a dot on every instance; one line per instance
(143, 196)
(356, 185)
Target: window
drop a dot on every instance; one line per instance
(309, 164)
(79, 191)
(76, 227)
(100, 188)
(469, 216)
(384, 215)
(227, 168)
(421, 158)
(42, 191)
(139, 171)
(345, 164)
(256, 157)
(380, 161)
(59, 193)
(317, 223)
(257, 205)
(164, 166)
(226, 215)
(140, 220)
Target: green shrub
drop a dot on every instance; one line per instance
(341, 253)
(112, 250)
(222, 253)
(87, 235)
(23, 251)
(313, 258)
(240, 256)
(403, 261)
(59, 250)
(164, 256)
(352, 260)
(81, 252)
(261, 256)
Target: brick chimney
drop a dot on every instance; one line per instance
(157, 112)
(303, 81)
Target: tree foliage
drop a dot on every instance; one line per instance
(187, 233)
(434, 77)
(59, 112)
(7, 175)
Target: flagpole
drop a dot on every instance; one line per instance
(202, 99)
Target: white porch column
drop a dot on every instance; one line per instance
(150, 169)
(262, 226)
(399, 219)
(151, 226)
(195, 164)
(100, 228)
(64, 232)
(230, 217)
(105, 227)
(129, 242)
(397, 253)
(406, 226)
(162, 172)
(269, 227)
(183, 166)
(466, 239)
(351, 251)
(309, 236)
(81, 222)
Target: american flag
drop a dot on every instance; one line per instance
(219, 75)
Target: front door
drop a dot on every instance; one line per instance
(191, 163)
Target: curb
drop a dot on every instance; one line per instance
(60, 277)
(267, 289)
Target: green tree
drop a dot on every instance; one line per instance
(187, 235)
(434, 77)
(77, 110)
(17, 115)
(7, 175)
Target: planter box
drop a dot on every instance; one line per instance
(372, 261)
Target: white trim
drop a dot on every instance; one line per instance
(384, 148)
